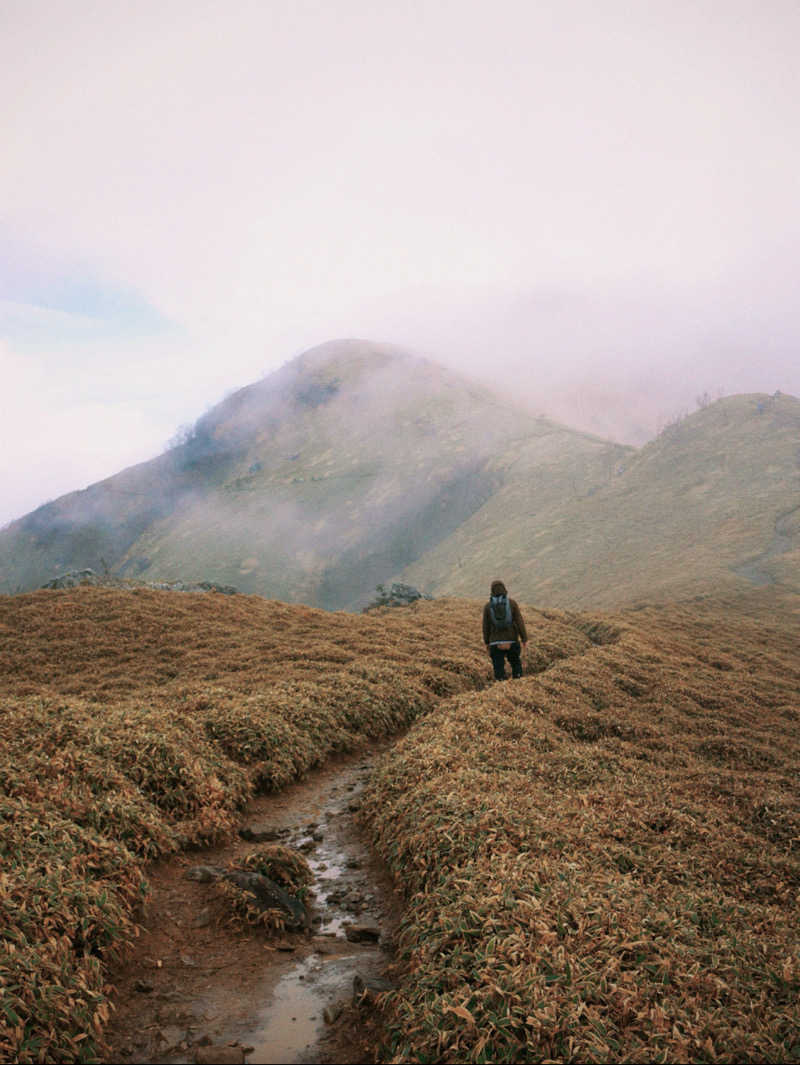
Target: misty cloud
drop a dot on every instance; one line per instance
(595, 210)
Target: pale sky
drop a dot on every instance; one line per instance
(592, 205)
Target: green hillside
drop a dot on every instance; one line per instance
(313, 485)
(357, 463)
(712, 504)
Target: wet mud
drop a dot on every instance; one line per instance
(196, 987)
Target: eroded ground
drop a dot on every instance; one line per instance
(196, 981)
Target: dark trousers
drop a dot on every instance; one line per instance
(499, 661)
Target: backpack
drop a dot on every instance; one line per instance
(500, 610)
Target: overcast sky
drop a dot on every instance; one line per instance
(592, 205)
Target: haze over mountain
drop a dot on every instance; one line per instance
(358, 463)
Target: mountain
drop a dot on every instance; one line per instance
(357, 463)
(313, 485)
(712, 504)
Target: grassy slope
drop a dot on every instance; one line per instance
(135, 722)
(674, 518)
(342, 493)
(356, 462)
(601, 861)
(312, 485)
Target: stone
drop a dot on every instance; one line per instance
(267, 835)
(203, 874)
(219, 1055)
(265, 892)
(74, 578)
(362, 933)
(143, 987)
(269, 895)
(366, 987)
(399, 594)
(333, 1012)
(173, 1034)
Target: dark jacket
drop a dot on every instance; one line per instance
(506, 633)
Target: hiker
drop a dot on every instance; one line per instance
(503, 629)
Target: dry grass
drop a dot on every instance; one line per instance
(136, 722)
(287, 868)
(601, 861)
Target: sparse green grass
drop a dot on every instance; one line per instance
(686, 508)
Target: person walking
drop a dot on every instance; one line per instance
(503, 631)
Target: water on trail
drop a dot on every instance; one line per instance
(195, 985)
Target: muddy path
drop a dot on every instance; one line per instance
(196, 988)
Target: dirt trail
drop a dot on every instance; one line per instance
(194, 983)
(782, 542)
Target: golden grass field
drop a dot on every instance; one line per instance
(600, 860)
(136, 722)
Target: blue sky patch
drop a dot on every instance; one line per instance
(42, 300)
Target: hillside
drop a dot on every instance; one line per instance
(709, 506)
(599, 861)
(357, 463)
(135, 723)
(312, 485)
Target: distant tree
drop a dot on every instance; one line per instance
(669, 425)
(705, 399)
(183, 435)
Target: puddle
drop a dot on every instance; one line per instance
(289, 1028)
(263, 996)
(292, 1023)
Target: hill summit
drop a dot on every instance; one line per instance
(711, 505)
(358, 463)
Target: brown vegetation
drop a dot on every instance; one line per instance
(135, 722)
(601, 861)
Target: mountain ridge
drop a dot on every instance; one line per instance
(684, 513)
(358, 463)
